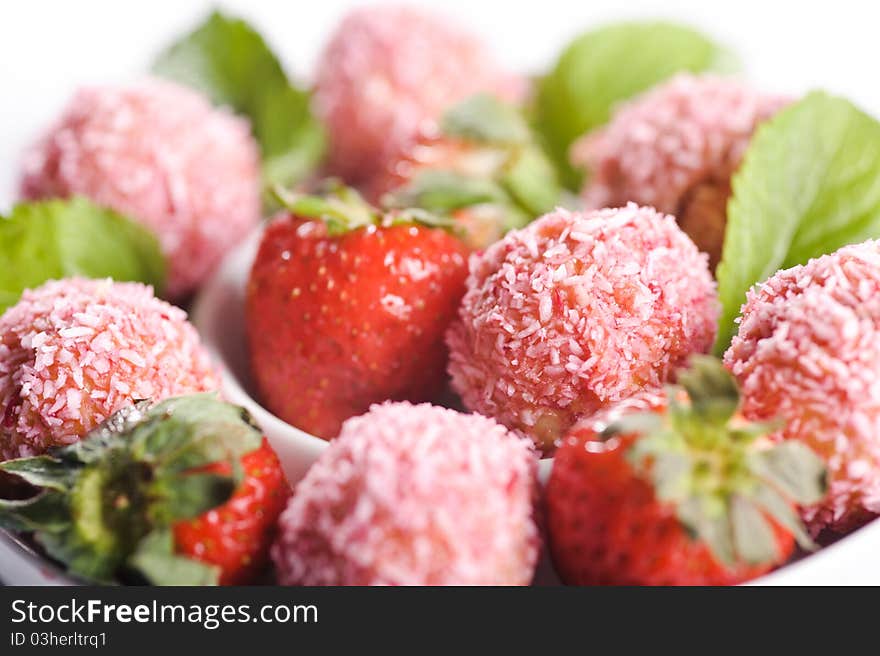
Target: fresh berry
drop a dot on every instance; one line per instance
(388, 74)
(681, 491)
(347, 307)
(577, 312)
(414, 495)
(675, 148)
(74, 351)
(481, 167)
(807, 352)
(161, 154)
(184, 492)
(236, 536)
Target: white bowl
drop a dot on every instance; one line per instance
(219, 316)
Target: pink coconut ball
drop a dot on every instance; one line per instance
(161, 154)
(386, 76)
(414, 495)
(74, 351)
(807, 352)
(577, 312)
(675, 148)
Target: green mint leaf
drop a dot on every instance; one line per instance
(55, 239)
(229, 61)
(809, 184)
(484, 119)
(156, 561)
(601, 68)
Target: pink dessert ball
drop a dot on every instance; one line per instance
(807, 352)
(675, 148)
(74, 351)
(577, 312)
(162, 155)
(413, 495)
(386, 76)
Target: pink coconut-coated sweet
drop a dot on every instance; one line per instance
(161, 154)
(576, 312)
(386, 76)
(807, 352)
(413, 495)
(74, 351)
(687, 131)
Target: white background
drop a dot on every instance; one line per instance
(48, 48)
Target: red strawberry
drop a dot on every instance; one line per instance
(347, 307)
(185, 492)
(481, 167)
(237, 535)
(684, 494)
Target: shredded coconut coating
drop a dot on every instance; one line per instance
(161, 154)
(675, 146)
(386, 76)
(807, 352)
(577, 312)
(414, 495)
(72, 352)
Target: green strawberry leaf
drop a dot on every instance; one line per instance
(752, 535)
(156, 561)
(445, 191)
(45, 512)
(341, 208)
(484, 119)
(711, 389)
(81, 558)
(716, 470)
(794, 469)
(501, 166)
(713, 528)
(532, 182)
(134, 475)
(601, 68)
(188, 432)
(41, 471)
(809, 184)
(776, 506)
(55, 239)
(188, 496)
(109, 435)
(229, 61)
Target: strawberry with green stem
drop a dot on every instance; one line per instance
(347, 306)
(687, 493)
(184, 492)
(482, 168)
